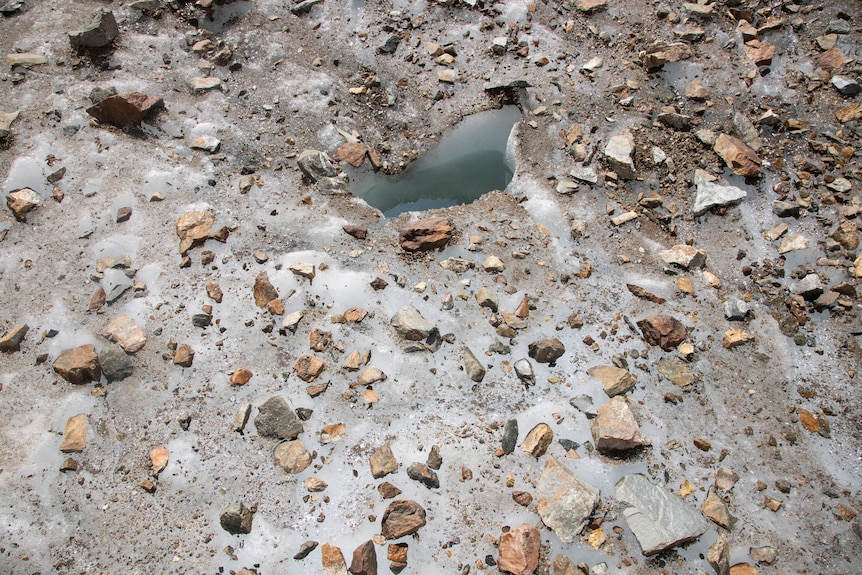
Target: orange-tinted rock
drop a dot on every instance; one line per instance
(241, 376)
(519, 550)
(740, 158)
(126, 108)
(79, 364)
(308, 367)
(426, 234)
(264, 291)
(352, 152)
(663, 330)
(75, 434)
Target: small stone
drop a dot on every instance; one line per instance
(618, 152)
(846, 86)
(125, 109)
(711, 195)
(69, 464)
(425, 234)
(847, 235)
(435, 460)
(735, 337)
(305, 549)
(277, 419)
(22, 202)
(402, 517)
(184, 356)
(524, 371)
(158, 460)
(308, 368)
(792, 243)
(264, 291)
(410, 324)
(718, 555)
(538, 440)
(663, 330)
(765, 554)
(25, 59)
(771, 504)
(236, 519)
(519, 550)
(546, 350)
(78, 365)
(565, 501)
(115, 363)
(474, 368)
(493, 265)
(725, 478)
(383, 462)
(522, 498)
(198, 85)
(388, 491)
(715, 509)
(615, 380)
(358, 232)
(364, 560)
(12, 339)
(740, 158)
(291, 321)
(241, 376)
(292, 456)
(333, 433)
(193, 228)
(354, 315)
(615, 428)
(510, 436)
(75, 434)
(206, 143)
(98, 34)
(696, 91)
(303, 270)
(487, 298)
(421, 473)
(589, 6)
(241, 418)
(332, 560)
(683, 256)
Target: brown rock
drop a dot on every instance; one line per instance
(126, 333)
(808, 420)
(735, 337)
(97, 300)
(383, 461)
(387, 490)
(308, 368)
(355, 315)
(315, 485)
(79, 364)
(292, 456)
(358, 232)
(275, 307)
(264, 291)
(759, 52)
(159, 460)
(306, 271)
(738, 157)
(193, 228)
(725, 478)
(683, 256)
(538, 440)
(319, 340)
(364, 560)
(563, 566)
(658, 56)
(663, 330)
(426, 234)
(615, 427)
(829, 60)
(236, 519)
(424, 475)
(522, 498)
(715, 508)
(640, 292)
(615, 380)
(352, 152)
(397, 552)
(519, 550)
(11, 341)
(241, 376)
(214, 291)
(75, 434)
(402, 517)
(332, 560)
(847, 235)
(849, 113)
(332, 433)
(743, 569)
(126, 108)
(184, 355)
(546, 350)
(696, 91)
(21, 202)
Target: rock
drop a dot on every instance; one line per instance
(524, 371)
(493, 265)
(332, 560)
(457, 265)
(351, 152)
(725, 478)
(358, 232)
(618, 152)
(615, 427)
(364, 560)
(838, 26)
(371, 375)
(658, 518)
(354, 315)
(410, 324)
(510, 436)
(6, 119)
(25, 59)
(683, 256)
(206, 143)
(193, 228)
(735, 337)
(487, 298)
(715, 509)
(277, 419)
(388, 491)
(588, 6)
(735, 309)
(125, 109)
(743, 569)
(421, 473)
(846, 86)
(522, 498)
(425, 234)
(402, 517)
(765, 554)
(332, 433)
(305, 550)
(740, 158)
(241, 376)
(383, 462)
(241, 417)
(12, 339)
(316, 165)
(474, 368)
(98, 34)
(115, 363)
(546, 350)
(676, 371)
(291, 321)
(792, 243)
(519, 550)
(809, 287)
(562, 565)
(718, 555)
(124, 331)
(308, 368)
(75, 434)
(663, 330)
(696, 91)
(22, 202)
(435, 460)
(711, 195)
(565, 501)
(658, 56)
(672, 119)
(759, 52)
(847, 235)
(292, 456)
(199, 84)
(615, 380)
(158, 460)
(584, 404)
(184, 356)
(264, 291)
(79, 364)
(236, 519)
(586, 174)
(538, 440)
(640, 292)
(306, 271)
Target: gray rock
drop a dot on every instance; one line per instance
(277, 419)
(747, 132)
(424, 475)
(457, 265)
(809, 287)
(236, 519)
(839, 27)
(410, 324)
(116, 364)
(472, 366)
(11, 340)
(711, 195)
(315, 165)
(584, 404)
(735, 309)
(510, 436)
(6, 119)
(200, 84)
(524, 371)
(784, 209)
(846, 86)
(618, 152)
(565, 502)
(585, 174)
(435, 460)
(241, 417)
(658, 518)
(766, 554)
(98, 34)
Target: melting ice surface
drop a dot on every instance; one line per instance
(469, 161)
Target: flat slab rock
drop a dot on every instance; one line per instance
(565, 500)
(658, 518)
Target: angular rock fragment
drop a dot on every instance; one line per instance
(25, 59)
(618, 152)
(711, 195)
(98, 34)
(11, 340)
(158, 460)
(683, 256)
(410, 324)
(200, 84)
(115, 363)
(519, 550)
(510, 436)
(292, 456)
(22, 202)
(658, 518)
(424, 475)
(565, 501)
(317, 167)
(236, 519)
(184, 356)
(474, 368)
(193, 228)
(735, 337)
(332, 560)
(303, 270)
(657, 56)
(524, 371)
(402, 517)
(277, 419)
(308, 368)
(615, 380)
(126, 333)
(79, 364)
(6, 119)
(75, 434)
(546, 350)
(364, 560)
(425, 234)
(538, 440)
(264, 291)
(615, 427)
(125, 109)
(715, 508)
(740, 158)
(663, 330)
(383, 461)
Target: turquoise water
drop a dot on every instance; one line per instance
(469, 161)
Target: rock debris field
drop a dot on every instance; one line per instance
(641, 357)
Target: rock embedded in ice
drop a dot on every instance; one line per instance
(364, 560)
(332, 560)
(584, 404)
(793, 243)
(241, 417)
(618, 152)
(711, 195)
(101, 31)
(124, 331)
(291, 321)
(305, 549)
(423, 474)
(371, 375)
(303, 270)
(236, 519)
(6, 119)
(358, 232)
(199, 84)
(241, 376)
(193, 228)
(809, 287)
(115, 363)
(425, 234)
(457, 265)
(79, 365)
(546, 350)
(725, 478)
(388, 491)
(292, 456)
(735, 337)
(277, 419)
(184, 356)
(402, 517)
(715, 508)
(718, 555)
(22, 202)
(354, 315)
(519, 550)
(308, 368)
(663, 330)
(383, 461)
(158, 460)
(264, 292)
(562, 565)
(735, 309)
(486, 297)
(615, 380)
(538, 440)
(658, 518)
(474, 368)
(12, 340)
(410, 324)
(766, 554)
(524, 371)
(125, 109)
(615, 427)
(75, 434)
(683, 256)
(740, 158)
(565, 501)
(696, 91)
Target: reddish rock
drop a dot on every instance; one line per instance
(264, 291)
(426, 234)
(125, 109)
(124, 331)
(158, 460)
(97, 300)
(388, 491)
(79, 364)
(740, 158)
(241, 376)
(364, 560)
(522, 498)
(352, 152)
(214, 291)
(308, 367)
(75, 434)
(402, 517)
(358, 232)
(663, 330)
(519, 550)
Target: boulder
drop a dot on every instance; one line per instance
(425, 234)
(79, 364)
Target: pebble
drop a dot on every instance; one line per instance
(75, 434)
(519, 550)
(538, 440)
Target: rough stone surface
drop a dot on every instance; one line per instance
(12, 339)
(116, 363)
(75, 434)
(662, 330)
(538, 440)
(426, 234)
(79, 364)
(98, 34)
(125, 109)
(565, 500)
(402, 517)
(277, 419)
(410, 324)
(383, 461)
(193, 228)
(236, 519)
(618, 152)
(740, 158)
(683, 256)
(519, 550)
(615, 427)
(546, 350)
(123, 331)
(264, 291)
(659, 519)
(711, 195)
(292, 456)
(615, 380)
(424, 475)
(474, 368)
(332, 560)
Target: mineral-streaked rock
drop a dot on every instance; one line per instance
(425, 234)
(383, 461)
(658, 518)
(21, 202)
(565, 501)
(124, 331)
(538, 440)
(292, 456)
(615, 427)
(79, 364)
(75, 434)
(402, 517)
(519, 550)
(98, 34)
(125, 109)
(410, 324)
(711, 195)
(236, 519)
(618, 152)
